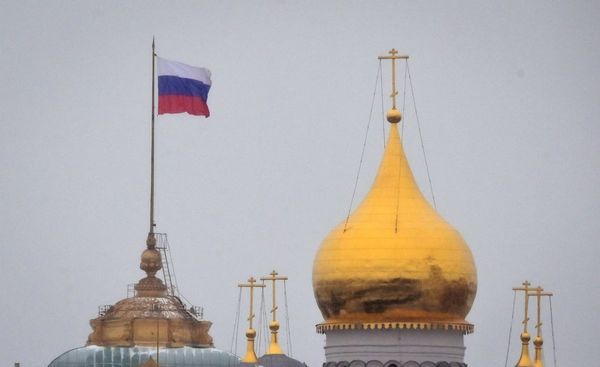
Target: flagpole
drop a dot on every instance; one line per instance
(151, 231)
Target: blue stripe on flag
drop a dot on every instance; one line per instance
(169, 85)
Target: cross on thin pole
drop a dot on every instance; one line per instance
(251, 284)
(525, 288)
(393, 55)
(274, 278)
(250, 356)
(274, 347)
(538, 293)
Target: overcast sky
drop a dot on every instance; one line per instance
(508, 97)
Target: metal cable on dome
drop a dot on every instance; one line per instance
(401, 139)
(511, 327)
(287, 321)
(362, 154)
(259, 331)
(404, 102)
(236, 324)
(421, 135)
(261, 321)
(382, 107)
(265, 327)
(267, 330)
(553, 340)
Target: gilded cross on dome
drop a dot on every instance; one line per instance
(251, 333)
(524, 359)
(251, 284)
(274, 347)
(526, 288)
(393, 55)
(538, 293)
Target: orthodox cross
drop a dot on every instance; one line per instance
(538, 293)
(525, 289)
(274, 278)
(393, 55)
(251, 284)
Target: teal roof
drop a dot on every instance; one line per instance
(95, 356)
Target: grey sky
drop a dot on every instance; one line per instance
(508, 96)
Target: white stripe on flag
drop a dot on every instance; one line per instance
(168, 67)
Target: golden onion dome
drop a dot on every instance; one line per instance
(395, 262)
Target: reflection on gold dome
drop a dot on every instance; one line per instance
(396, 260)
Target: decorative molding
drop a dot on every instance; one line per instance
(463, 327)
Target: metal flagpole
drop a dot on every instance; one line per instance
(151, 231)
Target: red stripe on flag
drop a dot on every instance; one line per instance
(177, 104)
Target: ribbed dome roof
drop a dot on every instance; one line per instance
(396, 261)
(165, 307)
(94, 356)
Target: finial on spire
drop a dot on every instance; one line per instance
(250, 356)
(151, 263)
(393, 116)
(274, 347)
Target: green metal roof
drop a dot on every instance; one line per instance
(95, 356)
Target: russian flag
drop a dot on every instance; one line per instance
(182, 88)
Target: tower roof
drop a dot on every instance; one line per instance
(395, 260)
(279, 360)
(152, 316)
